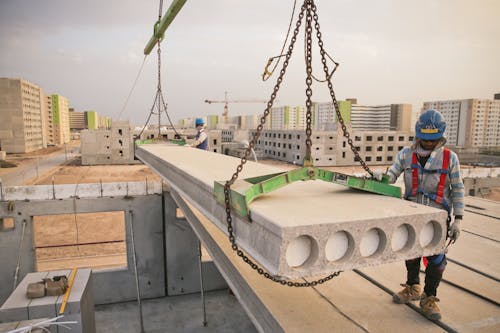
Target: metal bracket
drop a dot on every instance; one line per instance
(244, 191)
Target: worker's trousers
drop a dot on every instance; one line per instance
(435, 266)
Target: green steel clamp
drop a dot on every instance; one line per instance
(244, 191)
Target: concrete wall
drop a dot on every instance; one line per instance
(165, 245)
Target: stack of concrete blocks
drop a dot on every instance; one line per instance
(79, 307)
(3, 155)
(101, 147)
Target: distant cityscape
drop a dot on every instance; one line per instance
(32, 120)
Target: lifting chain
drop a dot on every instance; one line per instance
(307, 7)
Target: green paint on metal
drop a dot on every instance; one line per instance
(161, 27)
(244, 191)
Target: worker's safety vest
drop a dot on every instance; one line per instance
(204, 144)
(437, 196)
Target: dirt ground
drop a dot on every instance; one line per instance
(72, 174)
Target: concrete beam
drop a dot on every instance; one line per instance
(306, 228)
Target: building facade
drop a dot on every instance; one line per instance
(330, 148)
(470, 123)
(22, 111)
(59, 112)
(287, 117)
(108, 146)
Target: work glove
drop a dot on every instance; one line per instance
(454, 231)
(378, 175)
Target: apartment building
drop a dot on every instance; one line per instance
(58, 116)
(22, 109)
(287, 117)
(77, 120)
(325, 115)
(470, 123)
(330, 148)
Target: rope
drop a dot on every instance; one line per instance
(132, 89)
(267, 74)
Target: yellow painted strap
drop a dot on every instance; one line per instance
(429, 130)
(66, 295)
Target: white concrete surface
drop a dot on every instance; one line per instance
(291, 226)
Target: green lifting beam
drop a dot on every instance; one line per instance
(161, 26)
(244, 191)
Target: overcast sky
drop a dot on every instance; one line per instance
(390, 51)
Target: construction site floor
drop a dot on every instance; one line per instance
(361, 300)
(356, 301)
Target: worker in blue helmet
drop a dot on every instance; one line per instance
(201, 139)
(431, 177)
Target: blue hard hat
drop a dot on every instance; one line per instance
(430, 125)
(199, 122)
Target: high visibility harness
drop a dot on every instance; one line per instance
(437, 197)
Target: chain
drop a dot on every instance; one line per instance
(308, 38)
(227, 186)
(346, 134)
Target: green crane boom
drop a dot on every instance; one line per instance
(161, 26)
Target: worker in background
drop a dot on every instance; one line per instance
(201, 139)
(431, 177)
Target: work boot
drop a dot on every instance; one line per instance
(429, 307)
(409, 293)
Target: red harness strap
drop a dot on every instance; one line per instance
(414, 178)
(442, 179)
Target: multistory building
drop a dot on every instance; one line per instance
(59, 109)
(470, 123)
(22, 125)
(371, 117)
(287, 117)
(325, 115)
(330, 148)
(77, 120)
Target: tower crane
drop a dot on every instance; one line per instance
(226, 102)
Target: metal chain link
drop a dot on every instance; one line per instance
(306, 6)
(346, 134)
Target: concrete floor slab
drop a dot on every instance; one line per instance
(305, 228)
(176, 314)
(460, 310)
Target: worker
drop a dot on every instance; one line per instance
(431, 177)
(201, 139)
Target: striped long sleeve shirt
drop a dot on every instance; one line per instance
(428, 181)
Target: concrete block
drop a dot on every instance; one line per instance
(79, 307)
(3, 155)
(305, 228)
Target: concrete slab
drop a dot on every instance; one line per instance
(482, 206)
(306, 228)
(477, 252)
(461, 311)
(345, 304)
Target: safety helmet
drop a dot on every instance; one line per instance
(199, 122)
(430, 125)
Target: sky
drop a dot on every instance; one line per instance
(390, 51)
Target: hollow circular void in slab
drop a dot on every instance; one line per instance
(403, 237)
(372, 242)
(339, 246)
(430, 234)
(299, 250)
